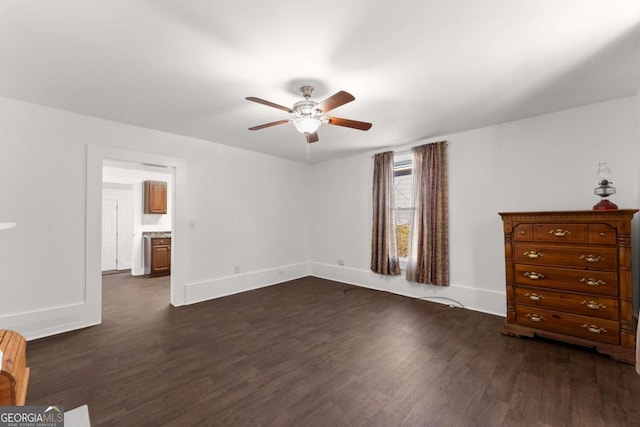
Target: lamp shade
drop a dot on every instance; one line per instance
(604, 174)
(604, 188)
(307, 124)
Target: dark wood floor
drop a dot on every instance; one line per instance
(317, 353)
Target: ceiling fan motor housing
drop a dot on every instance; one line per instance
(306, 108)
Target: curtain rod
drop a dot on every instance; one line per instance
(400, 153)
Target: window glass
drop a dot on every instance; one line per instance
(403, 208)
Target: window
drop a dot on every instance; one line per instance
(403, 204)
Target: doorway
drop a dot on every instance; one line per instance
(96, 155)
(125, 225)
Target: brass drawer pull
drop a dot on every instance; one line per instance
(535, 317)
(603, 234)
(533, 254)
(534, 296)
(559, 232)
(533, 275)
(593, 305)
(593, 282)
(591, 258)
(594, 329)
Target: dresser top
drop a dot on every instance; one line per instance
(625, 213)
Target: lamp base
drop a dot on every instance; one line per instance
(605, 205)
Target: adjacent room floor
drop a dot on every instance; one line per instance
(312, 352)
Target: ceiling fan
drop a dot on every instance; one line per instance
(307, 115)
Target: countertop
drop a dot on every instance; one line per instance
(157, 234)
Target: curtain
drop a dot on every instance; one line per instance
(429, 245)
(384, 249)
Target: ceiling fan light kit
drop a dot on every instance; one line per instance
(307, 115)
(307, 124)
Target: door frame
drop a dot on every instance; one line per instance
(96, 154)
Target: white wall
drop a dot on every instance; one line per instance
(250, 210)
(541, 163)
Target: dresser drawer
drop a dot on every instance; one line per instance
(523, 232)
(565, 233)
(602, 234)
(585, 257)
(588, 305)
(589, 281)
(569, 324)
(160, 242)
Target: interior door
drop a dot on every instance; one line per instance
(109, 234)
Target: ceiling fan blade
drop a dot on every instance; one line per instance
(269, 103)
(312, 137)
(349, 123)
(335, 101)
(266, 125)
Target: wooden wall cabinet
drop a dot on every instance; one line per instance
(14, 375)
(155, 197)
(157, 258)
(568, 277)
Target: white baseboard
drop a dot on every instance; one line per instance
(50, 321)
(242, 282)
(482, 300)
(56, 320)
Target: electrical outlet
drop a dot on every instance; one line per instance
(236, 269)
(341, 261)
(192, 224)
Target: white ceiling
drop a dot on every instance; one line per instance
(418, 68)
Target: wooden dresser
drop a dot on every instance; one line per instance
(14, 375)
(568, 277)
